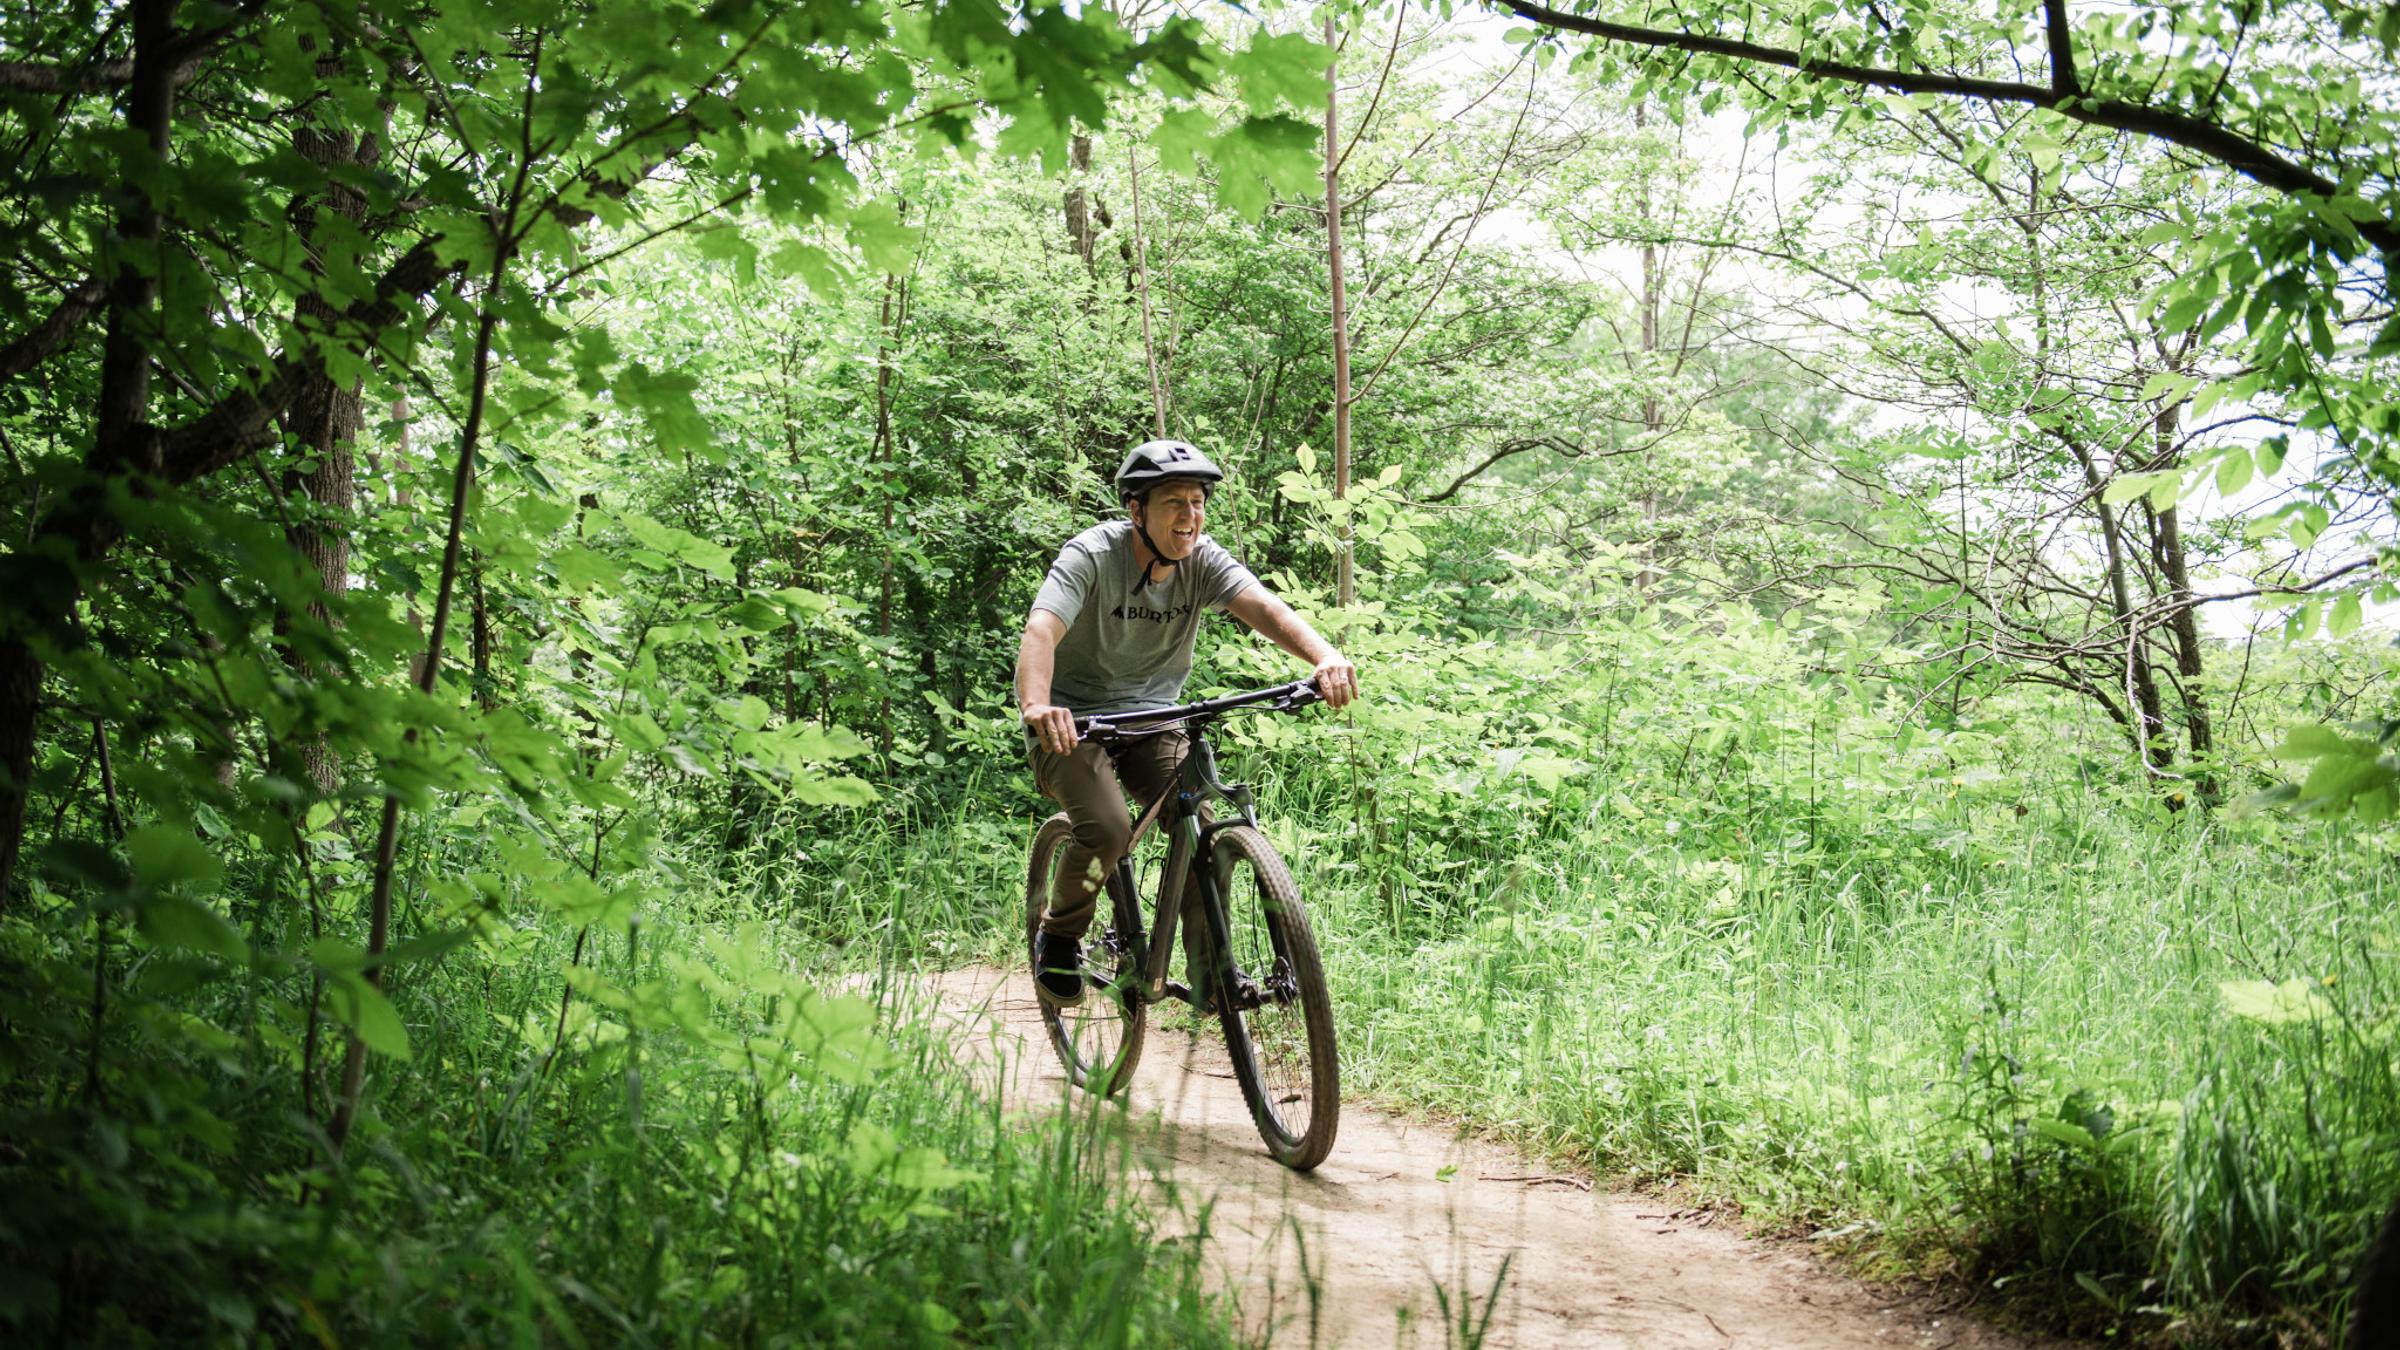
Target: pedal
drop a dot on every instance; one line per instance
(1177, 989)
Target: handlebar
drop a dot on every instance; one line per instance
(1277, 698)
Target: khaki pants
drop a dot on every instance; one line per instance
(1091, 785)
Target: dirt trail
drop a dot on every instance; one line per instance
(1403, 1209)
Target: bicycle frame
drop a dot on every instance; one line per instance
(1196, 784)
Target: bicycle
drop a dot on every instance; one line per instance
(1266, 984)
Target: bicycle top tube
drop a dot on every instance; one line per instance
(1149, 721)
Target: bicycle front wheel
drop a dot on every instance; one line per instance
(1272, 998)
(1100, 1039)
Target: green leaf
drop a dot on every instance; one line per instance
(639, 731)
(165, 856)
(681, 545)
(2169, 385)
(2304, 527)
(2065, 1132)
(2234, 470)
(2184, 310)
(832, 790)
(758, 614)
(2345, 617)
(1261, 154)
(2126, 487)
(2312, 741)
(2294, 1000)
(817, 269)
(749, 712)
(1182, 140)
(580, 569)
(888, 245)
(188, 925)
(1280, 69)
(362, 1007)
(664, 398)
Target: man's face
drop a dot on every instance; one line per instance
(1173, 516)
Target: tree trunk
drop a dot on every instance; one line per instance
(325, 421)
(1081, 235)
(2149, 731)
(887, 337)
(1345, 585)
(1141, 273)
(479, 636)
(1653, 417)
(45, 587)
(2199, 731)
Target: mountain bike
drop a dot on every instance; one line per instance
(1263, 982)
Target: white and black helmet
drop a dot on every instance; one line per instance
(1155, 462)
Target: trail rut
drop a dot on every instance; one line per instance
(1406, 1214)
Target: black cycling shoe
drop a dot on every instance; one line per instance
(1058, 970)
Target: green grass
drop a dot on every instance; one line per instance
(2021, 1071)
(1974, 1042)
(727, 1148)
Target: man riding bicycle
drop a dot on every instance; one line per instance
(1112, 631)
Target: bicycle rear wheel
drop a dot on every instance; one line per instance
(1100, 1039)
(1272, 998)
(2375, 1308)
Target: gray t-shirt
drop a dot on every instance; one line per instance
(1128, 649)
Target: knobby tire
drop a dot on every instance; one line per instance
(1283, 1050)
(1100, 1040)
(2375, 1310)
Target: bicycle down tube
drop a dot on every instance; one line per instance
(1196, 783)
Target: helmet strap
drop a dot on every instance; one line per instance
(1143, 530)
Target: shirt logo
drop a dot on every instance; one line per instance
(1130, 611)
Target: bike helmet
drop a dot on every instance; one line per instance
(1154, 462)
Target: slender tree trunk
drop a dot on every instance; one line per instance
(886, 338)
(45, 593)
(1081, 234)
(387, 838)
(1653, 416)
(479, 636)
(579, 657)
(1141, 272)
(2199, 730)
(2149, 731)
(1345, 585)
(325, 422)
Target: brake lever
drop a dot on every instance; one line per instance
(1303, 693)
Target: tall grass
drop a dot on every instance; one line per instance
(2130, 1067)
(731, 1143)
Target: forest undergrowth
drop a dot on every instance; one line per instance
(715, 1138)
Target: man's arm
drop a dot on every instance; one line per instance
(1265, 612)
(1037, 653)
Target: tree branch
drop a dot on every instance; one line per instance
(35, 77)
(2062, 49)
(42, 341)
(2222, 144)
(247, 419)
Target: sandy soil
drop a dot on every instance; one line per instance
(1405, 1215)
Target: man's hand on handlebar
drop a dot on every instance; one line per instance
(1336, 679)
(1053, 727)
